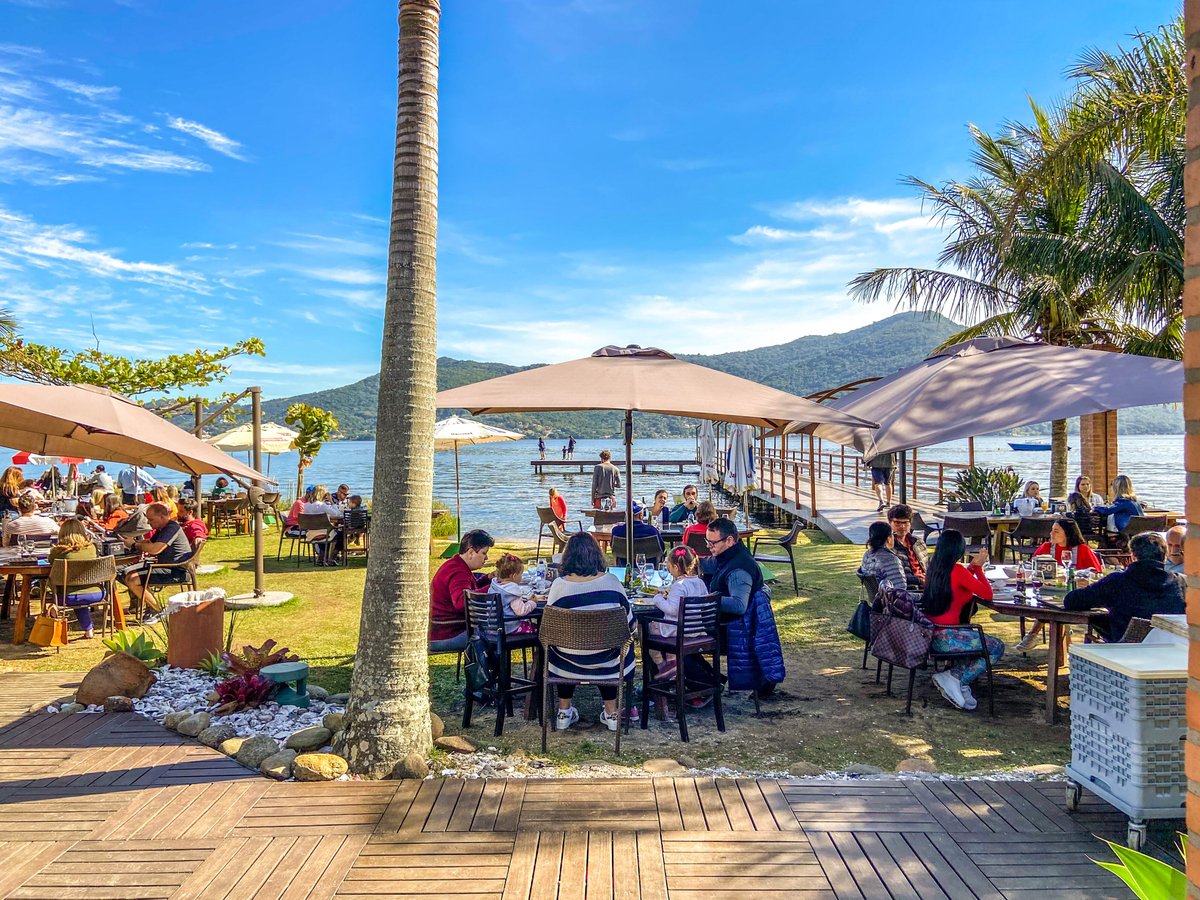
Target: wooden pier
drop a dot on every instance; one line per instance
(584, 466)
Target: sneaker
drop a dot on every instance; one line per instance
(881, 507)
(700, 702)
(1030, 641)
(566, 718)
(950, 688)
(611, 722)
(969, 701)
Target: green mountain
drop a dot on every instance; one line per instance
(801, 367)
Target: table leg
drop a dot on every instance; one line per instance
(1052, 666)
(22, 610)
(10, 586)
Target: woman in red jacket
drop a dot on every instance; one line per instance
(950, 589)
(558, 506)
(1066, 544)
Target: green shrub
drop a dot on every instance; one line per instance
(991, 487)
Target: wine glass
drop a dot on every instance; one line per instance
(640, 562)
(664, 574)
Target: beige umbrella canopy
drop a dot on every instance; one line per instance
(454, 431)
(275, 438)
(79, 420)
(990, 384)
(636, 379)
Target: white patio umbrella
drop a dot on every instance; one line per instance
(454, 431)
(276, 439)
(708, 455)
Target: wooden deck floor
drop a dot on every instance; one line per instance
(112, 806)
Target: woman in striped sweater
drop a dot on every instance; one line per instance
(585, 584)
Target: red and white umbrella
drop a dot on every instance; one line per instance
(25, 458)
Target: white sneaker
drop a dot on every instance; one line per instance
(611, 722)
(969, 701)
(950, 688)
(566, 718)
(1030, 641)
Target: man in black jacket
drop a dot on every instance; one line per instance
(1143, 589)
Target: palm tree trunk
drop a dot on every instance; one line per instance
(1058, 459)
(387, 716)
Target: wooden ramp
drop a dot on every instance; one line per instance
(112, 806)
(844, 512)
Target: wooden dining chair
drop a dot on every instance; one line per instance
(484, 615)
(697, 635)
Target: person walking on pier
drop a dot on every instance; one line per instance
(541, 448)
(881, 467)
(571, 447)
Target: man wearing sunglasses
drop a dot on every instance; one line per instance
(734, 573)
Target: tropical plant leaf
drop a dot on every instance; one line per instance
(1149, 878)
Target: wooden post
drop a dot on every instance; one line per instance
(198, 410)
(914, 475)
(970, 451)
(812, 481)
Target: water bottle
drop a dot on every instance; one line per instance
(1021, 582)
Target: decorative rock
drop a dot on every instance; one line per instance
(173, 719)
(319, 767)
(118, 704)
(72, 708)
(212, 697)
(232, 746)
(339, 699)
(914, 764)
(412, 766)
(316, 692)
(862, 769)
(252, 753)
(688, 762)
(216, 735)
(194, 724)
(1044, 769)
(662, 766)
(805, 769)
(309, 739)
(436, 725)
(278, 765)
(455, 743)
(116, 675)
(334, 721)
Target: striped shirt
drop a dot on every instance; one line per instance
(605, 591)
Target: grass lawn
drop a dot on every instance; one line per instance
(827, 714)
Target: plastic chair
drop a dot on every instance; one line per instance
(66, 574)
(697, 633)
(547, 517)
(485, 622)
(585, 631)
(974, 530)
(1030, 533)
(787, 542)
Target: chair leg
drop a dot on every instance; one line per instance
(718, 710)
(458, 668)
(545, 708)
(878, 669)
(468, 706)
(987, 661)
(891, 668)
(680, 703)
(645, 684)
(866, 650)
(503, 697)
(620, 710)
(912, 677)
(795, 581)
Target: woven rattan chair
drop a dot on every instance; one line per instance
(603, 517)
(548, 519)
(270, 499)
(485, 623)
(1140, 524)
(926, 528)
(67, 575)
(314, 527)
(585, 631)
(697, 634)
(699, 544)
(974, 530)
(868, 588)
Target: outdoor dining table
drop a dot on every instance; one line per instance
(27, 571)
(669, 535)
(1057, 620)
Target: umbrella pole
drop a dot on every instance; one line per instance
(256, 418)
(628, 494)
(457, 494)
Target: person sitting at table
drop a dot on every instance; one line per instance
(10, 490)
(29, 522)
(950, 591)
(1083, 499)
(291, 523)
(1175, 537)
(194, 528)
(51, 480)
(324, 547)
(640, 530)
(446, 601)
(681, 511)
(74, 542)
(731, 570)
(706, 514)
(880, 560)
(558, 506)
(1030, 502)
(911, 550)
(101, 479)
(584, 584)
(112, 513)
(166, 544)
(220, 488)
(159, 494)
(1066, 544)
(658, 514)
(1124, 506)
(341, 497)
(95, 506)
(606, 481)
(514, 596)
(32, 489)
(1144, 588)
(683, 564)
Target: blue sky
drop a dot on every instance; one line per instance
(699, 176)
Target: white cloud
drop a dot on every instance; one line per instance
(86, 91)
(762, 234)
(215, 140)
(321, 243)
(345, 276)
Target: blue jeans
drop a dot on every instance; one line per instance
(958, 640)
(449, 645)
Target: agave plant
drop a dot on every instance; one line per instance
(1147, 877)
(991, 487)
(243, 692)
(212, 665)
(252, 659)
(138, 645)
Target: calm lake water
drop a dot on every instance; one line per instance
(499, 489)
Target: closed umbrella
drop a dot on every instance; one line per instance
(636, 379)
(452, 432)
(708, 455)
(739, 461)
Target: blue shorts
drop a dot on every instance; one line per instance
(881, 476)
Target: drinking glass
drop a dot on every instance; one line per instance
(664, 574)
(640, 562)
(23, 545)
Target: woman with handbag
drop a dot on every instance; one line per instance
(950, 589)
(74, 542)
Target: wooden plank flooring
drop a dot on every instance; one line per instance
(112, 806)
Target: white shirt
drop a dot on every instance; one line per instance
(35, 526)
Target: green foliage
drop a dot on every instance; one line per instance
(245, 691)
(8, 324)
(44, 364)
(314, 427)
(138, 645)
(444, 526)
(1147, 877)
(991, 487)
(252, 659)
(213, 665)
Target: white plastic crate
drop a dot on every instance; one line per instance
(1142, 776)
(1139, 689)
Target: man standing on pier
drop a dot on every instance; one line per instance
(606, 481)
(571, 447)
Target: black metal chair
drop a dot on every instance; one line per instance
(787, 542)
(926, 528)
(356, 533)
(934, 659)
(699, 544)
(485, 626)
(1141, 524)
(650, 547)
(697, 633)
(869, 586)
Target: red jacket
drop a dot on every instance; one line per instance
(559, 507)
(966, 583)
(446, 595)
(1085, 556)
